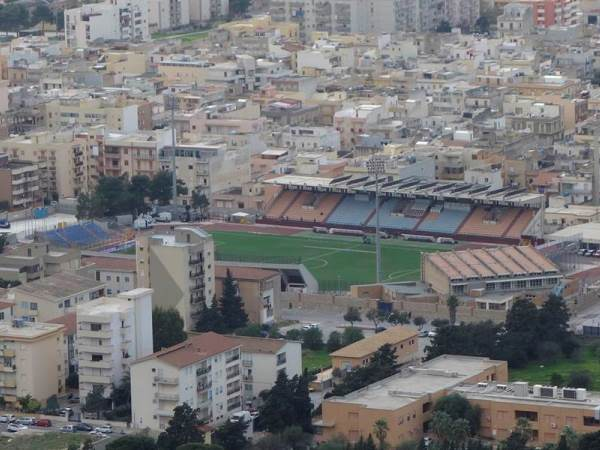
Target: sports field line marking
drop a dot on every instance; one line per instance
(401, 273)
(324, 264)
(344, 249)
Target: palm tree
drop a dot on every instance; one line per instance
(380, 430)
(452, 303)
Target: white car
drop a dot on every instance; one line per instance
(7, 418)
(97, 433)
(15, 427)
(431, 334)
(310, 326)
(105, 429)
(25, 421)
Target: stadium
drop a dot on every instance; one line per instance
(457, 210)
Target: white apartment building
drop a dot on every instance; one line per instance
(169, 14)
(113, 20)
(263, 359)
(112, 332)
(311, 138)
(204, 371)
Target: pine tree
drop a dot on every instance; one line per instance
(302, 403)
(211, 319)
(232, 305)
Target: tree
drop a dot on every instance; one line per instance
(294, 335)
(95, 401)
(458, 407)
(200, 201)
(183, 428)
(398, 318)
(72, 380)
(334, 342)
(88, 444)
(121, 394)
(374, 316)
(351, 335)
(251, 330)
(139, 189)
(13, 16)
(238, 7)
(439, 323)
(590, 441)
(553, 325)
(419, 321)
(556, 379)
(571, 438)
(29, 404)
(380, 430)
(562, 443)
(444, 27)
(232, 305)
(161, 187)
(198, 446)
(132, 442)
(167, 328)
(482, 25)
(522, 324)
(3, 241)
(231, 436)
(518, 439)
(52, 403)
(580, 379)
(352, 315)
(313, 338)
(41, 12)
(452, 303)
(211, 319)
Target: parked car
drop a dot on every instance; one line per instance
(7, 418)
(43, 423)
(309, 326)
(64, 411)
(68, 429)
(25, 421)
(431, 334)
(424, 333)
(74, 399)
(14, 427)
(105, 429)
(82, 426)
(97, 433)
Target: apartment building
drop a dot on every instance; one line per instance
(204, 371)
(111, 333)
(30, 261)
(542, 119)
(404, 341)
(209, 167)
(19, 183)
(53, 296)
(263, 359)
(352, 122)
(310, 138)
(168, 14)
(118, 272)
(180, 267)
(516, 20)
(69, 321)
(259, 288)
(547, 13)
(32, 361)
(112, 20)
(405, 399)
(134, 154)
(67, 161)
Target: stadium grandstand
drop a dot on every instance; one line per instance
(81, 235)
(437, 208)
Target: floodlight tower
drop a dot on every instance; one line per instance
(376, 167)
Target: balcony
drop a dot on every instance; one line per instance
(165, 380)
(94, 379)
(233, 373)
(8, 383)
(8, 368)
(7, 353)
(247, 363)
(249, 377)
(203, 387)
(203, 371)
(165, 413)
(96, 364)
(166, 397)
(233, 358)
(94, 334)
(105, 349)
(195, 259)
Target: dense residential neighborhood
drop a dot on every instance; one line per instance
(293, 225)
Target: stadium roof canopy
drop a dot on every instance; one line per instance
(585, 232)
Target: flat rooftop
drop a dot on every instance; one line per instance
(442, 373)
(371, 344)
(27, 330)
(58, 286)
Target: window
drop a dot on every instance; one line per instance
(67, 303)
(532, 416)
(97, 358)
(281, 359)
(96, 326)
(591, 421)
(33, 306)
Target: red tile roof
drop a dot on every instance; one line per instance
(110, 263)
(69, 321)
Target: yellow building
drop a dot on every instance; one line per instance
(405, 400)
(32, 360)
(403, 340)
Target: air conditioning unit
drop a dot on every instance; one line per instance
(482, 385)
(569, 393)
(501, 387)
(545, 391)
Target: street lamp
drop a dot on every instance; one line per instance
(376, 167)
(172, 99)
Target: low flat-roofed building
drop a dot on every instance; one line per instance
(566, 216)
(488, 270)
(405, 399)
(587, 233)
(547, 408)
(259, 288)
(53, 296)
(118, 272)
(32, 360)
(403, 340)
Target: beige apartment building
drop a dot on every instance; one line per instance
(403, 340)
(67, 160)
(406, 399)
(32, 360)
(180, 267)
(204, 371)
(53, 296)
(260, 290)
(19, 183)
(116, 113)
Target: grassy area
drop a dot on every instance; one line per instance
(540, 372)
(185, 37)
(128, 251)
(335, 261)
(315, 359)
(42, 441)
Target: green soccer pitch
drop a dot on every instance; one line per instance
(333, 260)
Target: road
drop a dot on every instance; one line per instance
(329, 321)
